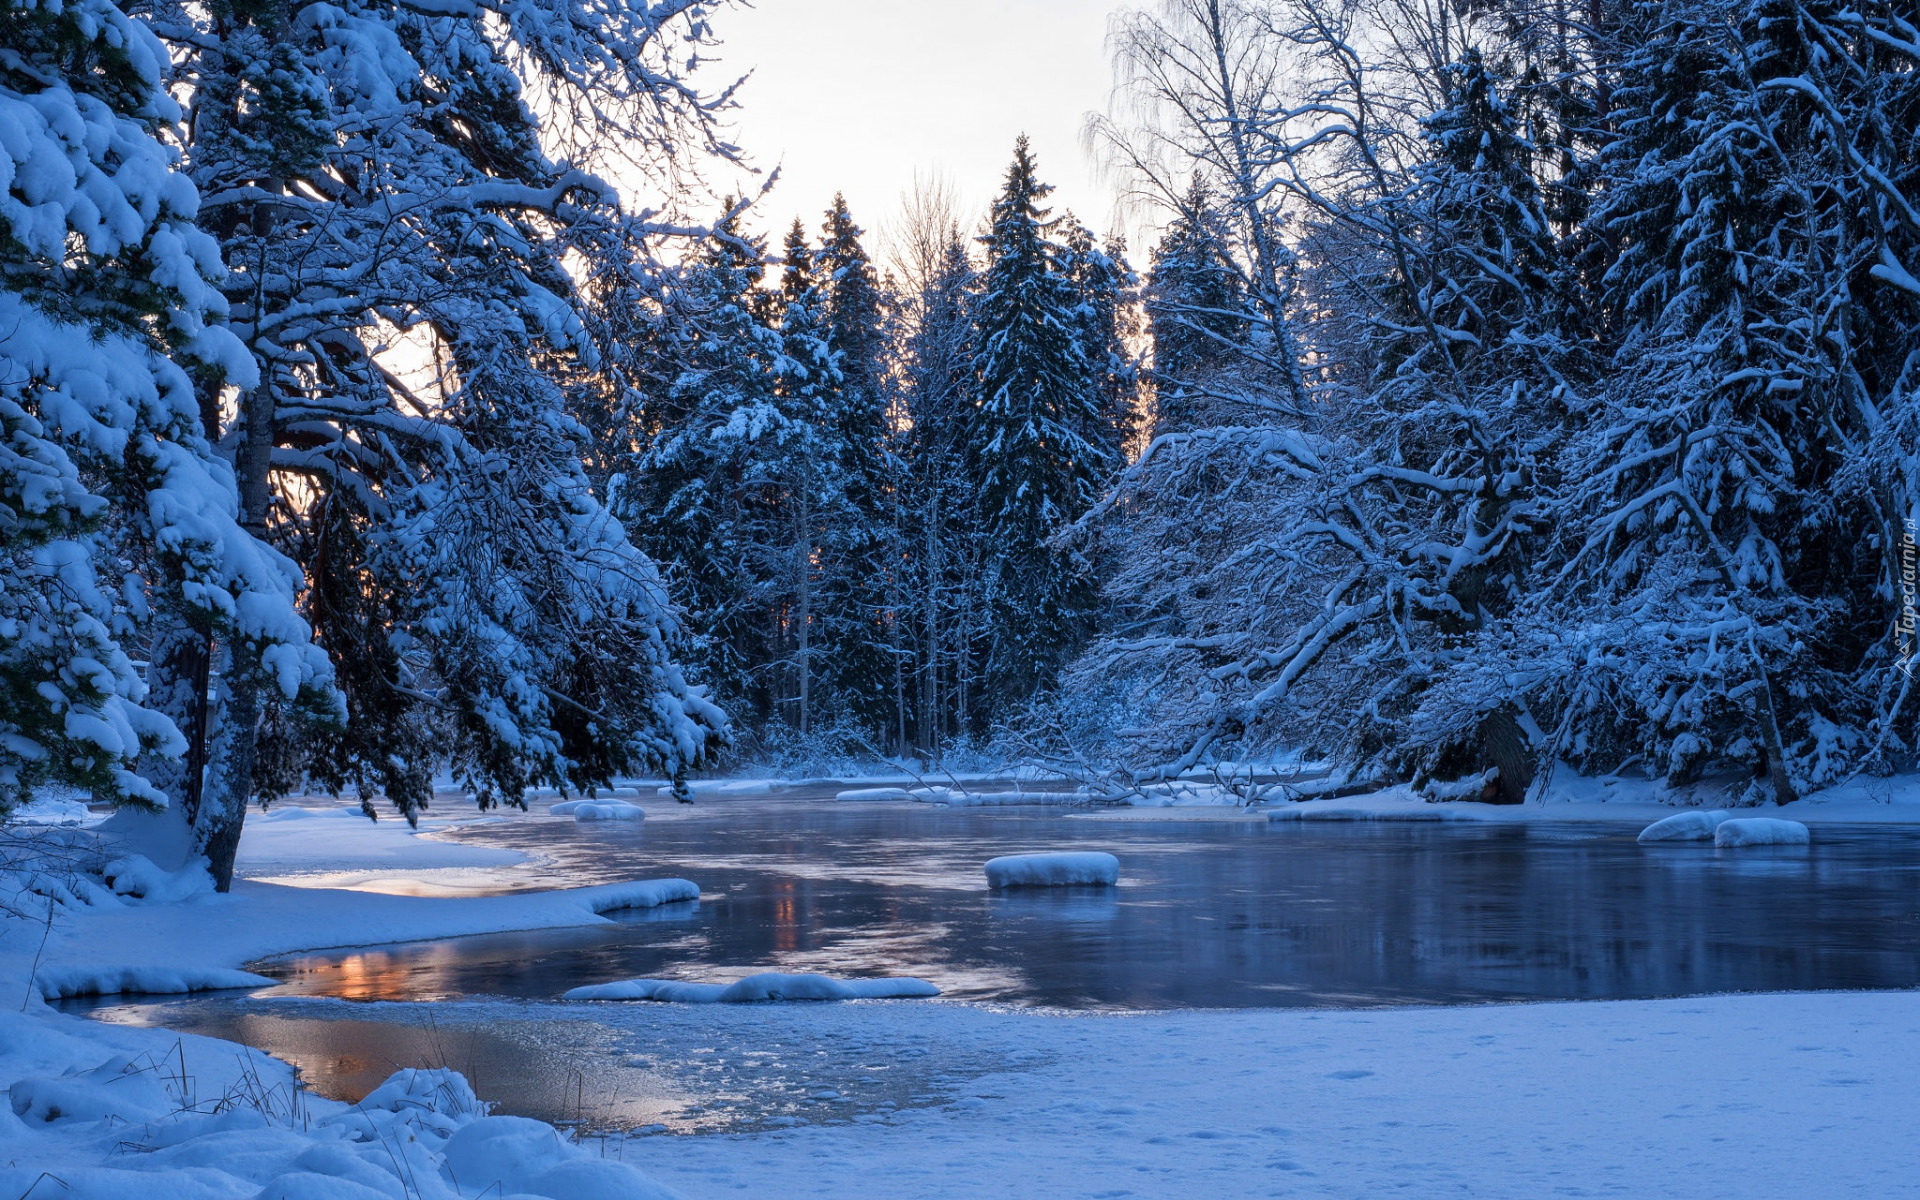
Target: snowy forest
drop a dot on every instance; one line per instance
(390, 387)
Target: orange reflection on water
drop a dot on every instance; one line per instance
(786, 925)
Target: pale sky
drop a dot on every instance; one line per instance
(855, 95)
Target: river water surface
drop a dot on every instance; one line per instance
(1209, 914)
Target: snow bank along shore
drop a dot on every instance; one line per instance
(99, 1112)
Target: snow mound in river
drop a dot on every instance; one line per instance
(769, 985)
(598, 810)
(1053, 870)
(1760, 831)
(1695, 826)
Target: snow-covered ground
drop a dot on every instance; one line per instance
(114, 945)
(1796, 1097)
(297, 843)
(1805, 1095)
(1728, 1098)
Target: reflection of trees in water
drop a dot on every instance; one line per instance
(1207, 914)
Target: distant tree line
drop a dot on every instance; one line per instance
(856, 477)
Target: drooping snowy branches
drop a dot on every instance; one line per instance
(1607, 342)
(386, 185)
(114, 511)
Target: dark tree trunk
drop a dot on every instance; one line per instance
(1504, 744)
(224, 810)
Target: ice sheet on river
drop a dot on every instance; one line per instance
(768, 985)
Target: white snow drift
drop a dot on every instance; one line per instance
(515, 1156)
(598, 810)
(1760, 831)
(135, 1126)
(1053, 870)
(768, 985)
(1695, 826)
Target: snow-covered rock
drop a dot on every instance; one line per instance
(598, 810)
(1695, 826)
(1760, 831)
(766, 986)
(1053, 870)
(643, 893)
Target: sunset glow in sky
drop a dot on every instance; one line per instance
(856, 95)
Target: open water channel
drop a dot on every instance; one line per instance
(1210, 913)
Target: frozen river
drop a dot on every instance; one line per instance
(1209, 914)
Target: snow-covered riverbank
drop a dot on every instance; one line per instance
(1735, 1097)
(1728, 1096)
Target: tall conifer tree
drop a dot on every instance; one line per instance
(859, 585)
(1037, 470)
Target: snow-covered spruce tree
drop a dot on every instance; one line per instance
(1196, 315)
(862, 666)
(1867, 114)
(806, 531)
(1477, 354)
(789, 474)
(681, 487)
(114, 512)
(1732, 528)
(384, 197)
(1105, 284)
(1037, 471)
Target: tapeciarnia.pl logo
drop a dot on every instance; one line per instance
(1904, 627)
